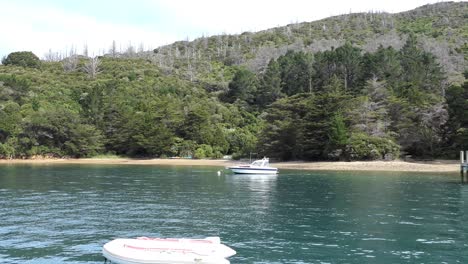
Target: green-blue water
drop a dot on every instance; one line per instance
(64, 214)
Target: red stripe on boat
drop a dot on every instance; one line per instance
(163, 249)
(176, 240)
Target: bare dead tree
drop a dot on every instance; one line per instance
(130, 51)
(92, 67)
(390, 39)
(113, 49)
(288, 32)
(52, 56)
(262, 56)
(190, 72)
(433, 120)
(85, 50)
(70, 63)
(141, 47)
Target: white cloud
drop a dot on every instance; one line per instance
(39, 29)
(215, 16)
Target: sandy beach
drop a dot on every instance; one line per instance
(430, 166)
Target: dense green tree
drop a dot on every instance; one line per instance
(60, 132)
(318, 121)
(325, 68)
(382, 65)
(242, 87)
(281, 136)
(8, 149)
(92, 103)
(298, 127)
(269, 88)
(349, 63)
(296, 72)
(338, 136)
(345, 63)
(457, 126)
(364, 147)
(22, 58)
(148, 136)
(84, 141)
(197, 126)
(14, 87)
(281, 139)
(421, 74)
(10, 120)
(242, 142)
(204, 151)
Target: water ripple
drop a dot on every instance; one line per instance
(65, 214)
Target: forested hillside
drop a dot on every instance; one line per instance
(353, 87)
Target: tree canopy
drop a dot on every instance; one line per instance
(22, 58)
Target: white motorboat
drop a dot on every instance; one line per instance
(257, 167)
(167, 250)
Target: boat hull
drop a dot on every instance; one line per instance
(162, 251)
(244, 170)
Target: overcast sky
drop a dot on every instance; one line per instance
(59, 25)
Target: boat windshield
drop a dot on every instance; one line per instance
(260, 163)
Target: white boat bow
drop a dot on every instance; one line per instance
(167, 250)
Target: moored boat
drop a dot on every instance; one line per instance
(257, 167)
(167, 250)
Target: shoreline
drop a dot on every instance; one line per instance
(390, 166)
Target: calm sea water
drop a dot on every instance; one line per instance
(64, 214)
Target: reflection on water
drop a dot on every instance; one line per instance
(262, 183)
(64, 214)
